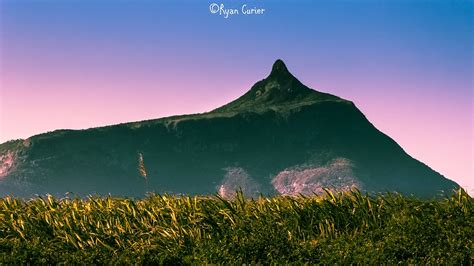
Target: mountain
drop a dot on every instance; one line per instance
(279, 137)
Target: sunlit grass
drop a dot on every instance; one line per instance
(338, 227)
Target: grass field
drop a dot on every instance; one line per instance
(336, 228)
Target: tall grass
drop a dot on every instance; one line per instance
(335, 228)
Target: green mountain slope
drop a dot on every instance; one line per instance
(279, 137)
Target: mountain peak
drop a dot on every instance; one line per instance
(279, 68)
(279, 90)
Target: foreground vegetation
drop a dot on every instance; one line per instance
(337, 228)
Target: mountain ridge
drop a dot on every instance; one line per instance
(278, 69)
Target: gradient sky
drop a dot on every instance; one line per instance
(84, 63)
